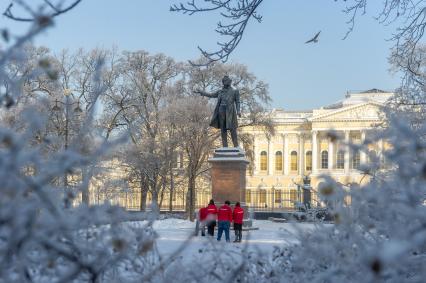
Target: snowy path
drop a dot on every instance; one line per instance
(175, 232)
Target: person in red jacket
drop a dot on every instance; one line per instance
(224, 217)
(211, 217)
(202, 218)
(238, 215)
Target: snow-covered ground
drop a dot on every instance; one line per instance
(176, 233)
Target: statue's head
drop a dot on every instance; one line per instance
(226, 81)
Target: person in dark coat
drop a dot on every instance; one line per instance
(211, 217)
(226, 111)
(238, 216)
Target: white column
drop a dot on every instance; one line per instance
(314, 152)
(363, 157)
(348, 151)
(283, 151)
(301, 154)
(255, 155)
(330, 154)
(286, 154)
(270, 159)
(381, 156)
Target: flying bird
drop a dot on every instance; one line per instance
(314, 39)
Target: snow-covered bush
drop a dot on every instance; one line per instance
(381, 235)
(41, 238)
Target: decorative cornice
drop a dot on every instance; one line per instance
(341, 110)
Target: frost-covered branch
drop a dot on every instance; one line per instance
(409, 15)
(236, 13)
(53, 10)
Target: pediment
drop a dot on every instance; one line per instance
(365, 111)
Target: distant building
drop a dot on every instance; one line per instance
(304, 146)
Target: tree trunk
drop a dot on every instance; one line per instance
(143, 192)
(85, 189)
(163, 189)
(154, 194)
(191, 197)
(172, 187)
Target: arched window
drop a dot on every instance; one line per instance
(262, 196)
(340, 162)
(356, 159)
(309, 161)
(278, 161)
(293, 196)
(263, 161)
(277, 196)
(324, 159)
(293, 161)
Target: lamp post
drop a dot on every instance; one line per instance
(77, 110)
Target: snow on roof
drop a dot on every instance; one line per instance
(371, 95)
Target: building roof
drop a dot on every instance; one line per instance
(371, 95)
(374, 95)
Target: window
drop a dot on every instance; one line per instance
(278, 161)
(262, 196)
(293, 161)
(356, 159)
(324, 159)
(263, 161)
(309, 161)
(248, 196)
(277, 196)
(340, 163)
(293, 195)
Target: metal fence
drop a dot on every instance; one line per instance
(289, 199)
(281, 200)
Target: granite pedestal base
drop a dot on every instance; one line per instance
(228, 177)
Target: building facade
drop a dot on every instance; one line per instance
(309, 144)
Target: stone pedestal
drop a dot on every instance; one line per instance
(228, 175)
(228, 178)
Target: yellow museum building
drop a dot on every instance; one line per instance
(304, 144)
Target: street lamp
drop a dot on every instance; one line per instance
(77, 110)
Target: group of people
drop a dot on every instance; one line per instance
(224, 216)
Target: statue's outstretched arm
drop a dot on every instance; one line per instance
(211, 95)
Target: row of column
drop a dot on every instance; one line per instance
(315, 153)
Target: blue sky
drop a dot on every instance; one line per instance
(299, 76)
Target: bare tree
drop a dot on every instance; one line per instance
(138, 90)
